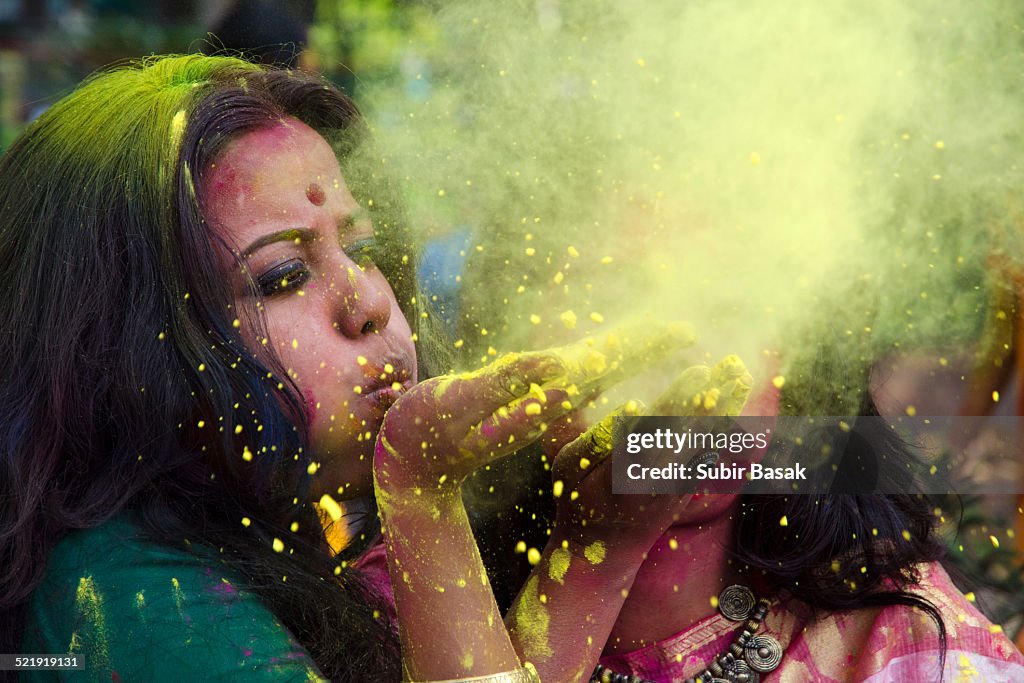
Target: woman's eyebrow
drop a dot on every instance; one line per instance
(289, 235)
(349, 220)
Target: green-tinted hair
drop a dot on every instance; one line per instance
(117, 340)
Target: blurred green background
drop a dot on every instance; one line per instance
(47, 46)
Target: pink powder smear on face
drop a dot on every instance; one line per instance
(310, 406)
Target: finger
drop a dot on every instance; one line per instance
(600, 360)
(592, 447)
(734, 383)
(700, 390)
(473, 396)
(563, 430)
(686, 393)
(517, 424)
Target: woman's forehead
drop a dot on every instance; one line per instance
(283, 159)
(286, 145)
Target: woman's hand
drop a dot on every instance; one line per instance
(446, 427)
(575, 593)
(438, 433)
(587, 511)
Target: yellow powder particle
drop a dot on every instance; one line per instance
(784, 521)
(558, 278)
(530, 251)
(595, 363)
(89, 605)
(595, 552)
(572, 252)
(246, 454)
(606, 260)
(557, 488)
(538, 393)
(533, 556)
(779, 381)
(521, 547)
(331, 507)
(295, 343)
(458, 343)
(236, 323)
(533, 409)
(597, 317)
(246, 521)
(911, 410)
(568, 319)
(755, 158)
(558, 565)
(179, 597)
(535, 319)
(711, 398)
(531, 622)
(278, 545)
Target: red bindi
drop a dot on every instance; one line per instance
(315, 194)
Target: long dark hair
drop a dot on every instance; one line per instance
(117, 341)
(842, 551)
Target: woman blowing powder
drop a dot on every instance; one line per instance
(211, 325)
(204, 332)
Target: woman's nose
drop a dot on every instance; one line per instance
(365, 306)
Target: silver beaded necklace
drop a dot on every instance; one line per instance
(748, 656)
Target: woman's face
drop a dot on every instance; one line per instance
(276, 196)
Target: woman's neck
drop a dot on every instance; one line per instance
(673, 588)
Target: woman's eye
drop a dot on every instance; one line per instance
(285, 277)
(363, 252)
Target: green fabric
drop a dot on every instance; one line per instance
(144, 612)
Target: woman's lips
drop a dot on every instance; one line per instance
(386, 381)
(384, 396)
